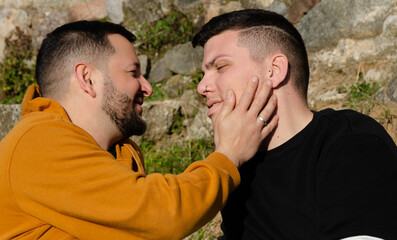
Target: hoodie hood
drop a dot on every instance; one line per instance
(33, 102)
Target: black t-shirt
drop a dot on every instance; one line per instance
(336, 178)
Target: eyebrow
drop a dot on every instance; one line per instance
(134, 64)
(212, 62)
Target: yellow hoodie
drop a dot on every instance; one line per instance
(57, 183)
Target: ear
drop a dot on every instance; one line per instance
(277, 69)
(83, 73)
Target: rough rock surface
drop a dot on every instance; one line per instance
(184, 59)
(160, 72)
(332, 20)
(340, 65)
(88, 10)
(299, 8)
(144, 60)
(114, 9)
(10, 20)
(201, 127)
(142, 11)
(159, 117)
(347, 41)
(9, 116)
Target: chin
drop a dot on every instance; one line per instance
(213, 118)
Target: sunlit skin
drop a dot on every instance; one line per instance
(226, 66)
(123, 103)
(124, 71)
(88, 88)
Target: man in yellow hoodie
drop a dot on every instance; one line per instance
(68, 169)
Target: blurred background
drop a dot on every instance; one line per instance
(351, 44)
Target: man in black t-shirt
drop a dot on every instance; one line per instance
(321, 175)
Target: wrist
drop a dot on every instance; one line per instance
(230, 156)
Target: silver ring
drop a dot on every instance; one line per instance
(263, 120)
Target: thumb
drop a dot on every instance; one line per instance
(228, 105)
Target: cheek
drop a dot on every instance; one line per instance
(222, 88)
(239, 93)
(132, 89)
(237, 83)
(236, 79)
(242, 78)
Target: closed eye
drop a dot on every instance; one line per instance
(220, 67)
(135, 73)
(220, 64)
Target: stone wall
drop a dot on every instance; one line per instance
(9, 116)
(345, 39)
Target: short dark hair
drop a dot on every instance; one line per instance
(267, 30)
(77, 41)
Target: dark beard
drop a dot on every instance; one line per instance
(120, 109)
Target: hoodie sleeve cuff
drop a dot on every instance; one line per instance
(220, 161)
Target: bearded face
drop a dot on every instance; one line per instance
(121, 109)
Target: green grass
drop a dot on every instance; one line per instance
(157, 37)
(203, 233)
(361, 95)
(386, 117)
(15, 73)
(158, 93)
(175, 157)
(196, 78)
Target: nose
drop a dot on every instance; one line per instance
(202, 87)
(146, 88)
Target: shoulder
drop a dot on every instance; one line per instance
(44, 125)
(353, 144)
(356, 176)
(346, 116)
(357, 145)
(349, 122)
(348, 130)
(42, 133)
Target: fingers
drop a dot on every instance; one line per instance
(267, 112)
(228, 105)
(248, 94)
(238, 130)
(270, 126)
(261, 97)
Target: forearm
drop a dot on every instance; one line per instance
(99, 197)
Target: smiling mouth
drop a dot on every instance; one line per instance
(212, 103)
(212, 106)
(139, 99)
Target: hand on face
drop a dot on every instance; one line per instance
(238, 130)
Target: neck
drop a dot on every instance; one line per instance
(294, 116)
(104, 132)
